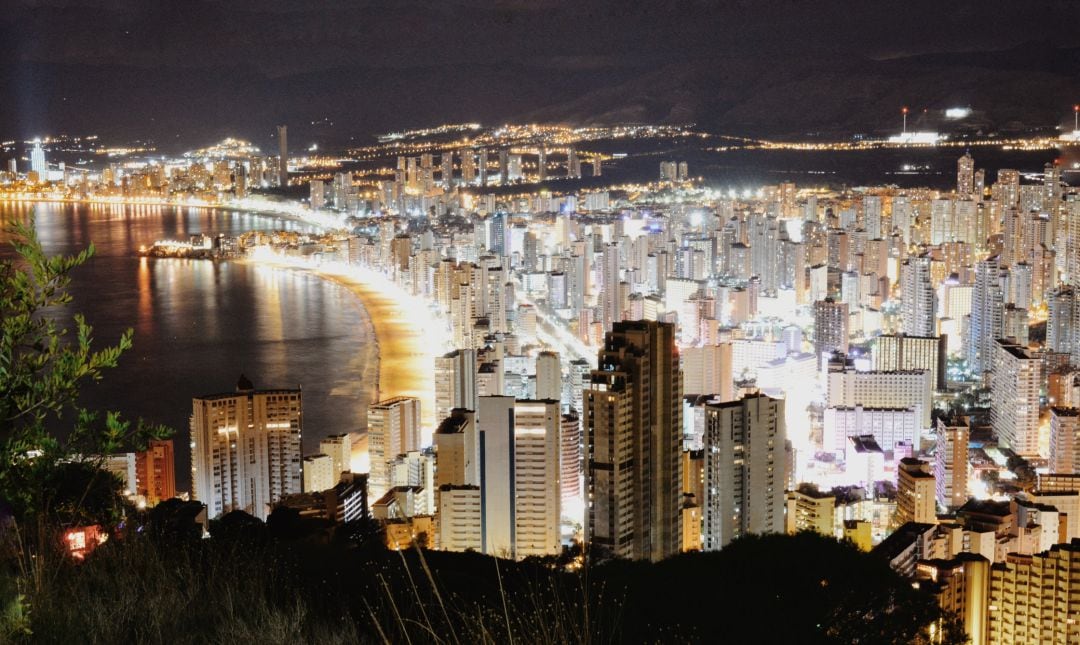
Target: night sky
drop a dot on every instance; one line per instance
(183, 73)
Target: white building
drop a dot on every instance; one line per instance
(893, 389)
(1014, 397)
(245, 449)
(393, 429)
(745, 463)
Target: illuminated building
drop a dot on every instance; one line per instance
(37, 161)
(1064, 440)
(548, 376)
(888, 426)
(570, 460)
(847, 387)
(519, 476)
(155, 472)
(894, 352)
(810, 510)
(283, 156)
(245, 449)
(745, 466)
(962, 588)
(916, 493)
(393, 428)
(573, 165)
(918, 297)
(1032, 598)
(858, 532)
(987, 316)
(1014, 396)
(830, 327)
(951, 462)
(633, 409)
(318, 473)
(708, 370)
(339, 448)
(965, 176)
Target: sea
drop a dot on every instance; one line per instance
(199, 324)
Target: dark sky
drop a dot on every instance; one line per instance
(184, 72)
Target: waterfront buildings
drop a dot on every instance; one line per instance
(245, 449)
(393, 429)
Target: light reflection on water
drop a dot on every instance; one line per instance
(198, 324)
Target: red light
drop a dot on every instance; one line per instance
(904, 109)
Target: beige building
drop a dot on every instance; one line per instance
(339, 448)
(810, 510)
(1065, 440)
(1033, 598)
(1014, 397)
(246, 449)
(916, 493)
(393, 429)
(951, 462)
(318, 473)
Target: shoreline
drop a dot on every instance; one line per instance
(267, 211)
(404, 351)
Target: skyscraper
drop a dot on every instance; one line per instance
(519, 476)
(541, 164)
(633, 428)
(965, 176)
(573, 165)
(393, 429)
(483, 166)
(951, 462)
(283, 156)
(245, 451)
(37, 161)
(548, 376)
(830, 327)
(1014, 397)
(916, 493)
(987, 316)
(918, 296)
(1064, 441)
(745, 465)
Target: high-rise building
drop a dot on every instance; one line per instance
(319, 473)
(155, 472)
(339, 448)
(745, 466)
(1065, 441)
(483, 166)
(965, 176)
(916, 493)
(455, 382)
(393, 429)
(448, 169)
(1032, 599)
(872, 216)
(708, 370)
(951, 462)
(573, 165)
(830, 327)
(987, 316)
(245, 452)
(318, 193)
(632, 432)
(548, 376)
(283, 156)
(918, 297)
(519, 476)
(504, 166)
(1014, 397)
(570, 460)
(900, 352)
(541, 164)
(37, 161)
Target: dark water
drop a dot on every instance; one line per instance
(198, 324)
